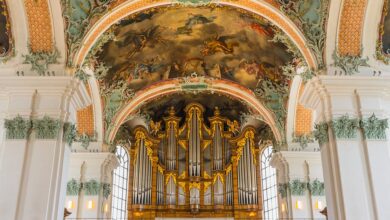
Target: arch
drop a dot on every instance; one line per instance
(174, 85)
(257, 7)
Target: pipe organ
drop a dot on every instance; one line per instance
(194, 166)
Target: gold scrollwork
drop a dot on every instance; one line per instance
(194, 185)
(218, 176)
(168, 176)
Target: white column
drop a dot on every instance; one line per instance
(305, 167)
(354, 168)
(99, 167)
(33, 181)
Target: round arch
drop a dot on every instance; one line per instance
(261, 8)
(172, 86)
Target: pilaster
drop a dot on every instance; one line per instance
(41, 156)
(351, 161)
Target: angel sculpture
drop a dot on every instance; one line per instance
(234, 127)
(155, 127)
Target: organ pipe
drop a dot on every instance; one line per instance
(190, 155)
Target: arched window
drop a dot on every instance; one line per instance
(120, 183)
(268, 176)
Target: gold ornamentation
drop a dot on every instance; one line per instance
(194, 185)
(234, 127)
(168, 176)
(182, 185)
(183, 144)
(155, 127)
(160, 168)
(206, 185)
(220, 176)
(206, 175)
(39, 26)
(183, 175)
(351, 26)
(228, 169)
(205, 144)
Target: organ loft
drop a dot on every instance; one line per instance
(195, 167)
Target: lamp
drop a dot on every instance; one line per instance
(106, 208)
(298, 204)
(90, 204)
(283, 207)
(70, 204)
(319, 205)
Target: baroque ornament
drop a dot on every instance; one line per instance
(106, 190)
(298, 187)
(17, 128)
(303, 140)
(79, 16)
(349, 64)
(321, 132)
(46, 128)
(82, 75)
(85, 140)
(73, 188)
(310, 17)
(283, 189)
(70, 133)
(374, 128)
(194, 2)
(40, 61)
(91, 188)
(345, 128)
(317, 188)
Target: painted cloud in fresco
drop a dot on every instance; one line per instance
(175, 42)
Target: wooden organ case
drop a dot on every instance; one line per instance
(195, 170)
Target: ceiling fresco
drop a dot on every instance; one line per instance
(170, 42)
(386, 30)
(229, 107)
(5, 30)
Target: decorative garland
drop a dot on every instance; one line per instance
(17, 128)
(298, 188)
(349, 64)
(374, 128)
(303, 140)
(40, 60)
(321, 133)
(91, 188)
(46, 128)
(73, 188)
(346, 128)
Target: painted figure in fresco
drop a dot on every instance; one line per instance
(136, 42)
(194, 19)
(219, 44)
(194, 65)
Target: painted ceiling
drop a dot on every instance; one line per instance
(170, 42)
(5, 30)
(386, 33)
(230, 108)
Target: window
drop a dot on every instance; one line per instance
(120, 183)
(268, 176)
